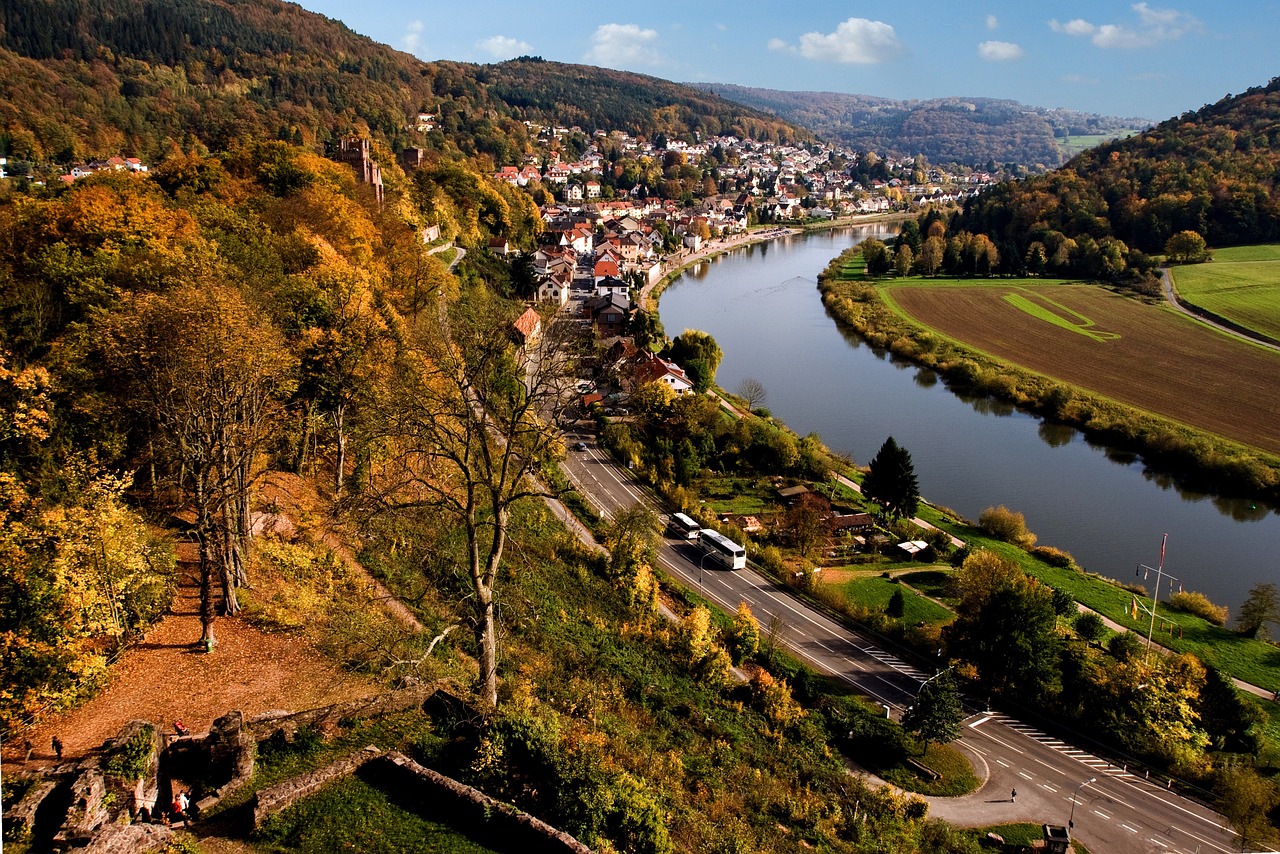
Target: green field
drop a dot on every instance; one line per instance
(1241, 284)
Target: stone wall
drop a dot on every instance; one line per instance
(282, 795)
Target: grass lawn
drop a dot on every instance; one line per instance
(740, 495)
(357, 815)
(1021, 834)
(957, 777)
(873, 593)
(1242, 284)
(932, 582)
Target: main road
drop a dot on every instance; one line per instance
(1114, 809)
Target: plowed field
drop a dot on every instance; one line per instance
(1143, 355)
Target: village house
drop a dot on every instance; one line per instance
(527, 328)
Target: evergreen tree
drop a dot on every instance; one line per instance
(891, 481)
(937, 712)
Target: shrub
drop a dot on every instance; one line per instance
(1054, 557)
(1125, 646)
(1089, 626)
(1197, 603)
(1008, 525)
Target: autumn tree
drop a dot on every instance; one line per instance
(902, 260)
(468, 422)
(807, 523)
(1186, 247)
(931, 251)
(891, 481)
(210, 373)
(696, 345)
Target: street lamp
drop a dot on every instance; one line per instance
(1071, 821)
(701, 560)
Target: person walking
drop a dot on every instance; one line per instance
(30, 748)
(1013, 796)
(57, 747)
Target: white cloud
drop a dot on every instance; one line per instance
(1153, 26)
(992, 22)
(412, 38)
(857, 40)
(504, 47)
(999, 51)
(617, 45)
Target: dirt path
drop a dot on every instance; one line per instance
(168, 677)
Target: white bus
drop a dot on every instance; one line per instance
(725, 551)
(683, 527)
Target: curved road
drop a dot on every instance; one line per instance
(1171, 297)
(1118, 812)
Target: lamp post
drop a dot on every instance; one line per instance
(1071, 821)
(701, 560)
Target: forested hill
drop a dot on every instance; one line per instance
(971, 131)
(1212, 171)
(81, 79)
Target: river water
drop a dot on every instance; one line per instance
(762, 305)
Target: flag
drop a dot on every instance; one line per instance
(1163, 541)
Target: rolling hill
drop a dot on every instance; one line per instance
(970, 131)
(81, 79)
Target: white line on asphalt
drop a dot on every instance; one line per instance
(1002, 762)
(1104, 815)
(979, 722)
(1128, 828)
(1047, 786)
(1024, 775)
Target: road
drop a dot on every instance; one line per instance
(1118, 812)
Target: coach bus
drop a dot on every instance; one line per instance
(723, 550)
(683, 528)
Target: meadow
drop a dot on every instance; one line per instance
(1241, 284)
(1145, 356)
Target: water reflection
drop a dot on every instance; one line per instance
(926, 378)
(1057, 435)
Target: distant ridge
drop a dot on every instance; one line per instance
(970, 131)
(81, 79)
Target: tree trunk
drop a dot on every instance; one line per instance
(487, 644)
(339, 428)
(203, 535)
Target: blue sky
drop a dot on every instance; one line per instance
(1143, 59)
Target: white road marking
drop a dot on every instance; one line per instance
(1128, 828)
(1002, 762)
(1047, 786)
(1024, 775)
(979, 722)
(1104, 815)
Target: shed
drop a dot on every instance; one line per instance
(912, 548)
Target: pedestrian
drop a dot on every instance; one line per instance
(31, 748)
(1013, 796)
(57, 747)
(180, 728)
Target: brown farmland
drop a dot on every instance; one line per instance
(1162, 362)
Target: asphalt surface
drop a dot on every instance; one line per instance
(1118, 811)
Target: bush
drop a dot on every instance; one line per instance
(1008, 525)
(1089, 626)
(1126, 646)
(1199, 604)
(1054, 557)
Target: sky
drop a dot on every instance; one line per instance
(1145, 59)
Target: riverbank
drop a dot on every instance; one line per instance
(721, 246)
(1199, 460)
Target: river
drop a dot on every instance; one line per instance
(762, 305)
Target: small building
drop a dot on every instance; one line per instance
(853, 523)
(791, 494)
(913, 548)
(1057, 839)
(527, 327)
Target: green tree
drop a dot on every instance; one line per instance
(1246, 798)
(876, 256)
(1126, 646)
(1261, 607)
(807, 523)
(695, 344)
(936, 714)
(1089, 626)
(891, 481)
(1006, 627)
(897, 605)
